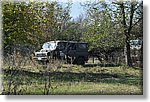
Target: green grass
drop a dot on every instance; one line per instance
(97, 88)
(72, 79)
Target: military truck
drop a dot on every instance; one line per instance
(68, 51)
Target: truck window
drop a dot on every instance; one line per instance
(82, 45)
(72, 46)
(49, 45)
(62, 45)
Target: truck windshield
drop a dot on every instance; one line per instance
(49, 46)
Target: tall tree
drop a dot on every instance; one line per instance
(130, 18)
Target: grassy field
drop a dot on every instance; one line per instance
(72, 79)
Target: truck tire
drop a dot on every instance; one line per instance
(80, 61)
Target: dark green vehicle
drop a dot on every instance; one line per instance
(69, 51)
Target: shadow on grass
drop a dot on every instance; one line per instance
(77, 77)
(101, 65)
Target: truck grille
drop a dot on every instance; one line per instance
(41, 55)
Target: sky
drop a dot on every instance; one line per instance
(76, 10)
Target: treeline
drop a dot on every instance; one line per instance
(30, 24)
(27, 25)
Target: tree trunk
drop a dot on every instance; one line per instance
(127, 31)
(128, 54)
(141, 56)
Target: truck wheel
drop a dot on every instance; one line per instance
(42, 62)
(39, 62)
(80, 61)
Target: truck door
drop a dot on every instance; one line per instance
(72, 50)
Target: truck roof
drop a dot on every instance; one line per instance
(66, 41)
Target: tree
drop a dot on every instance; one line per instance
(21, 25)
(101, 29)
(63, 21)
(130, 18)
(30, 24)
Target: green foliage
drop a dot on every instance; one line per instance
(30, 24)
(104, 25)
(101, 29)
(33, 23)
(19, 23)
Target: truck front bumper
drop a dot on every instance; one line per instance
(40, 58)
